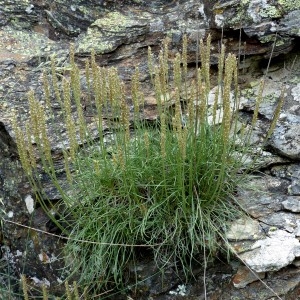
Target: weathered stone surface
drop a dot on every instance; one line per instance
(23, 250)
(244, 276)
(268, 22)
(263, 195)
(244, 229)
(292, 173)
(283, 284)
(292, 204)
(277, 230)
(283, 220)
(52, 24)
(113, 30)
(155, 284)
(272, 253)
(15, 11)
(297, 230)
(286, 140)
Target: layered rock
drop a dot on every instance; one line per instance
(121, 34)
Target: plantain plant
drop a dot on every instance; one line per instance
(168, 187)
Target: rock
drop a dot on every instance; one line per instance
(296, 93)
(111, 31)
(286, 140)
(283, 284)
(282, 220)
(244, 229)
(272, 253)
(244, 276)
(263, 195)
(17, 11)
(289, 24)
(23, 50)
(297, 230)
(22, 246)
(294, 188)
(269, 200)
(294, 172)
(292, 204)
(151, 281)
(269, 22)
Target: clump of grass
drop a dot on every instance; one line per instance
(169, 188)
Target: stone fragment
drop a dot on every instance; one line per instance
(292, 204)
(294, 172)
(241, 246)
(281, 220)
(297, 230)
(263, 195)
(296, 92)
(244, 229)
(29, 203)
(108, 33)
(286, 140)
(244, 276)
(289, 24)
(272, 253)
(23, 49)
(294, 188)
(257, 20)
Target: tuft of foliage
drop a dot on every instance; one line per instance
(168, 187)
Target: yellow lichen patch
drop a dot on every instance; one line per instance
(289, 5)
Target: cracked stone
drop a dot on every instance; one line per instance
(244, 229)
(272, 253)
(292, 204)
(244, 276)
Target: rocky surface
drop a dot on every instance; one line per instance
(266, 21)
(267, 241)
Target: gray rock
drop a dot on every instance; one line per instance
(294, 188)
(276, 21)
(289, 24)
(283, 284)
(272, 253)
(293, 172)
(15, 11)
(296, 263)
(296, 92)
(292, 204)
(111, 31)
(244, 229)
(282, 220)
(23, 250)
(286, 141)
(147, 23)
(297, 230)
(263, 195)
